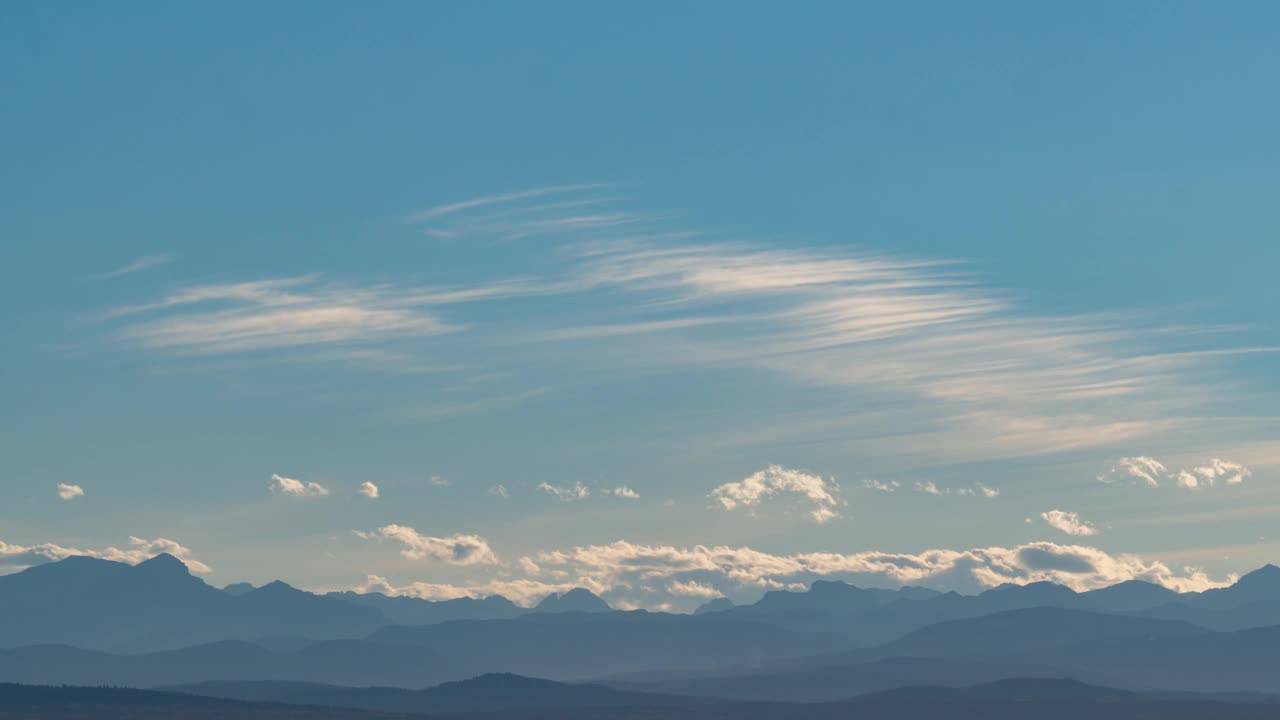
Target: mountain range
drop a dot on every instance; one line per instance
(85, 621)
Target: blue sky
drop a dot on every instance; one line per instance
(881, 292)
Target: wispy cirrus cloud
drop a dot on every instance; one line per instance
(972, 372)
(143, 263)
(275, 314)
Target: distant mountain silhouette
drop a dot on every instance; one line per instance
(717, 605)
(575, 600)
(334, 662)
(1020, 690)
(1261, 585)
(158, 604)
(829, 683)
(495, 691)
(240, 588)
(1016, 632)
(575, 646)
(402, 610)
(1130, 596)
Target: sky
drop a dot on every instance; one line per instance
(666, 300)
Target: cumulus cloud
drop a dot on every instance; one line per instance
(500, 491)
(566, 493)
(369, 490)
(929, 488)
(453, 549)
(1207, 475)
(1068, 522)
(296, 488)
(822, 495)
(520, 590)
(645, 574)
(1148, 470)
(139, 549)
(69, 492)
(623, 491)
(692, 589)
(988, 492)
(884, 487)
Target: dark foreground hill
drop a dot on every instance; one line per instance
(492, 692)
(1005, 701)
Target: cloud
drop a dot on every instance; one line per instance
(883, 487)
(500, 491)
(623, 491)
(139, 549)
(1146, 469)
(296, 488)
(369, 490)
(69, 492)
(644, 573)
(566, 493)
(473, 203)
(1151, 472)
(929, 488)
(750, 492)
(1207, 475)
(142, 263)
(520, 591)
(692, 589)
(1068, 522)
(439, 481)
(275, 314)
(453, 549)
(978, 490)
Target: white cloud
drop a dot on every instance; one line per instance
(500, 491)
(644, 573)
(139, 549)
(1147, 469)
(1068, 522)
(929, 488)
(520, 591)
(1230, 473)
(69, 492)
(274, 314)
(142, 263)
(566, 493)
(453, 549)
(623, 491)
(1152, 472)
(692, 589)
(440, 481)
(884, 487)
(369, 490)
(988, 492)
(750, 492)
(296, 488)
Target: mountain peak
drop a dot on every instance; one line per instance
(1266, 577)
(575, 600)
(163, 563)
